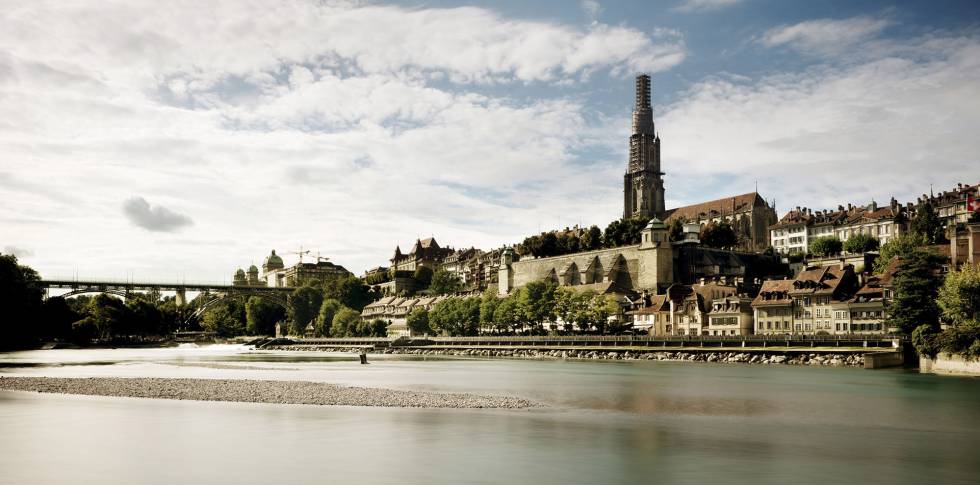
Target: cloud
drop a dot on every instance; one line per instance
(886, 126)
(153, 218)
(591, 9)
(703, 5)
(16, 251)
(824, 36)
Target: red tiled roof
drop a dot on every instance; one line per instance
(714, 208)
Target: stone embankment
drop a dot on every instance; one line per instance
(789, 358)
(255, 391)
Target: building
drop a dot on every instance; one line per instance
(275, 274)
(395, 311)
(643, 184)
(824, 300)
(799, 227)
(964, 244)
(731, 316)
(748, 214)
(250, 278)
(954, 206)
(425, 252)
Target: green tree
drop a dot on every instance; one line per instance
(110, 316)
(224, 319)
(445, 283)
(456, 316)
(959, 296)
(901, 247)
(488, 305)
(916, 288)
(20, 301)
(676, 228)
(506, 316)
(592, 239)
(261, 316)
(345, 323)
(324, 319)
(927, 223)
(536, 303)
(826, 246)
(861, 243)
(418, 322)
(304, 304)
(373, 328)
(718, 235)
(423, 276)
(56, 318)
(348, 290)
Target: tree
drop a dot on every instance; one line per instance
(20, 300)
(676, 228)
(488, 305)
(56, 318)
(261, 316)
(345, 322)
(445, 283)
(592, 239)
(927, 223)
(901, 247)
(324, 319)
(549, 245)
(826, 246)
(373, 328)
(959, 296)
(718, 235)
(304, 303)
(348, 290)
(536, 302)
(861, 243)
(456, 316)
(916, 288)
(223, 320)
(418, 322)
(506, 316)
(423, 276)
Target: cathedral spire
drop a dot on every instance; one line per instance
(642, 112)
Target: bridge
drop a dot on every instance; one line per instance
(209, 293)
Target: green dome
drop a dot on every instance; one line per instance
(240, 272)
(252, 269)
(656, 224)
(273, 261)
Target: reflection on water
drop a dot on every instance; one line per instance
(608, 422)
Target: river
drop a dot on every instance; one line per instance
(605, 422)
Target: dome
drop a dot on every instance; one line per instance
(273, 261)
(240, 272)
(656, 224)
(252, 269)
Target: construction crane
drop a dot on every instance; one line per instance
(321, 258)
(300, 253)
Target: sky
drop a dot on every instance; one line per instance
(182, 140)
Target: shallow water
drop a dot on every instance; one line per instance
(606, 422)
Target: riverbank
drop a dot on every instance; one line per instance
(769, 356)
(256, 391)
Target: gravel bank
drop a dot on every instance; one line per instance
(243, 390)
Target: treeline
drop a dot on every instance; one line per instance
(621, 232)
(530, 310)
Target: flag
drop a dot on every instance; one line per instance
(972, 205)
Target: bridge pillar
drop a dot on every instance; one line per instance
(181, 298)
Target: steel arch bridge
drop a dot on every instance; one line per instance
(209, 294)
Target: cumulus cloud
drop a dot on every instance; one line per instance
(703, 5)
(824, 36)
(884, 127)
(153, 218)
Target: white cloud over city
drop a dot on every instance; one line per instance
(183, 140)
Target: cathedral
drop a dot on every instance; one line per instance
(643, 186)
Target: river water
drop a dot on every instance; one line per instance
(605, 422)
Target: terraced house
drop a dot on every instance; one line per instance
(794, 232)
(823, 300)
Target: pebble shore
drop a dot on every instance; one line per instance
(243, 390)
(795, 358)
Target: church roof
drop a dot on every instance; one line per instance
(714, 208)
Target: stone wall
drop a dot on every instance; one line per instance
(949, 364)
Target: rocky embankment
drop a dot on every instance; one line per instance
(789, 358)
(244, 390)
